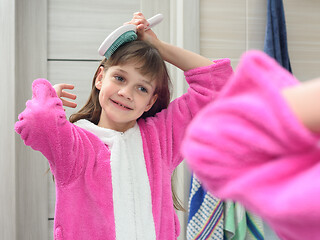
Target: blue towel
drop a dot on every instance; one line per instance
(205, 219)
(275, 44)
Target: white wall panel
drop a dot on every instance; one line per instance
(76, 28)
(31, 63)
(303, 28)
(222, 29)
(7, 108)
(256, 23)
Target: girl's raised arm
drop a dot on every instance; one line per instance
(179, 57)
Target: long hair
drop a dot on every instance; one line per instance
(151, 64)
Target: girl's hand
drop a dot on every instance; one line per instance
(142, 24)
(59, 88)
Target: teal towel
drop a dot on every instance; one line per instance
(240, 224)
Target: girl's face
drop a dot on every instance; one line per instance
(125, 94)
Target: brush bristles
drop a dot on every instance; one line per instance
(124, 38)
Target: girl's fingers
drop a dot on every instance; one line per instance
(138, 18)
(138, 22)
(67, 103)
(140, 30)
(142, 21)
(59, 88)
(66, 86)
(138, 14)
(68, 95)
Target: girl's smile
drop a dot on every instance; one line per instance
(120, 105)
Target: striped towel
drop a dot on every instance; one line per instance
(210, 218)
(205, 219)
(240, 224)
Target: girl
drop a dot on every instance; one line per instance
(259, 144)
(113, 166)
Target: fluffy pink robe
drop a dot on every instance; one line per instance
(248, 146)
(80, 161)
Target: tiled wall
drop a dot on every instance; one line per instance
(228, 28)
(303, 27)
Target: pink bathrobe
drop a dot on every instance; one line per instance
(248, 146)
(80, 161)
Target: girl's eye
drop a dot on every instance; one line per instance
(119, 78)
(143, 89)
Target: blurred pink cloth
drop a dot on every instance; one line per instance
(249, 147)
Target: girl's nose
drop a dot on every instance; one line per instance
(126, 93)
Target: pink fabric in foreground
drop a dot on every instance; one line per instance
(249, 147)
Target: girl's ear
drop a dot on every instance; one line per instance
(99, 78)
(152, 101)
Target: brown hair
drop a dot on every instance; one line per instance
(151, 64)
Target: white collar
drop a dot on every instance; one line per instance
(106, 135)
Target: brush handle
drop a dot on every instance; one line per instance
(154, 20)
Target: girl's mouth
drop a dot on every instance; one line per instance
(121, 105)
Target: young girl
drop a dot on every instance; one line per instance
(258, 144)
(113, 166)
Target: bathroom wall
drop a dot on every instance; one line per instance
(228, 28)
